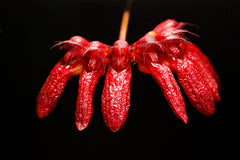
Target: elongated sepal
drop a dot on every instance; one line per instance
(164, 77)
(203, 67)
(116, 97)
(195, 87)
(52, 89)
(84, 107)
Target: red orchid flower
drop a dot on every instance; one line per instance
(160, 52)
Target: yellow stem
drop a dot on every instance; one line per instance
(125, 20)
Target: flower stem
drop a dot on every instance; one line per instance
(125, 20)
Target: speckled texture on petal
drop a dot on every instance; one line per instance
(116, 97)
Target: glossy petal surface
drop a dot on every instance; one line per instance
(159, 52)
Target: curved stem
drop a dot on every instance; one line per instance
(125, 20)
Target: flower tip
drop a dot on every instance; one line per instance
(80, 126)
(185, 119)
(41, 114)
(114, 129)
(210, 112)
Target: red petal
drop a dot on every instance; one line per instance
(164, 77)
(204, 60)
(207, 75)
(195, 87)
(116, 98)
(84, 107)
(52, 89)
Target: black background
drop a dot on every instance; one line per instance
(29, 28)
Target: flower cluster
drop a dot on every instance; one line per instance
(160, 52)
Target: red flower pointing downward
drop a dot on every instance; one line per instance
(160, 52)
